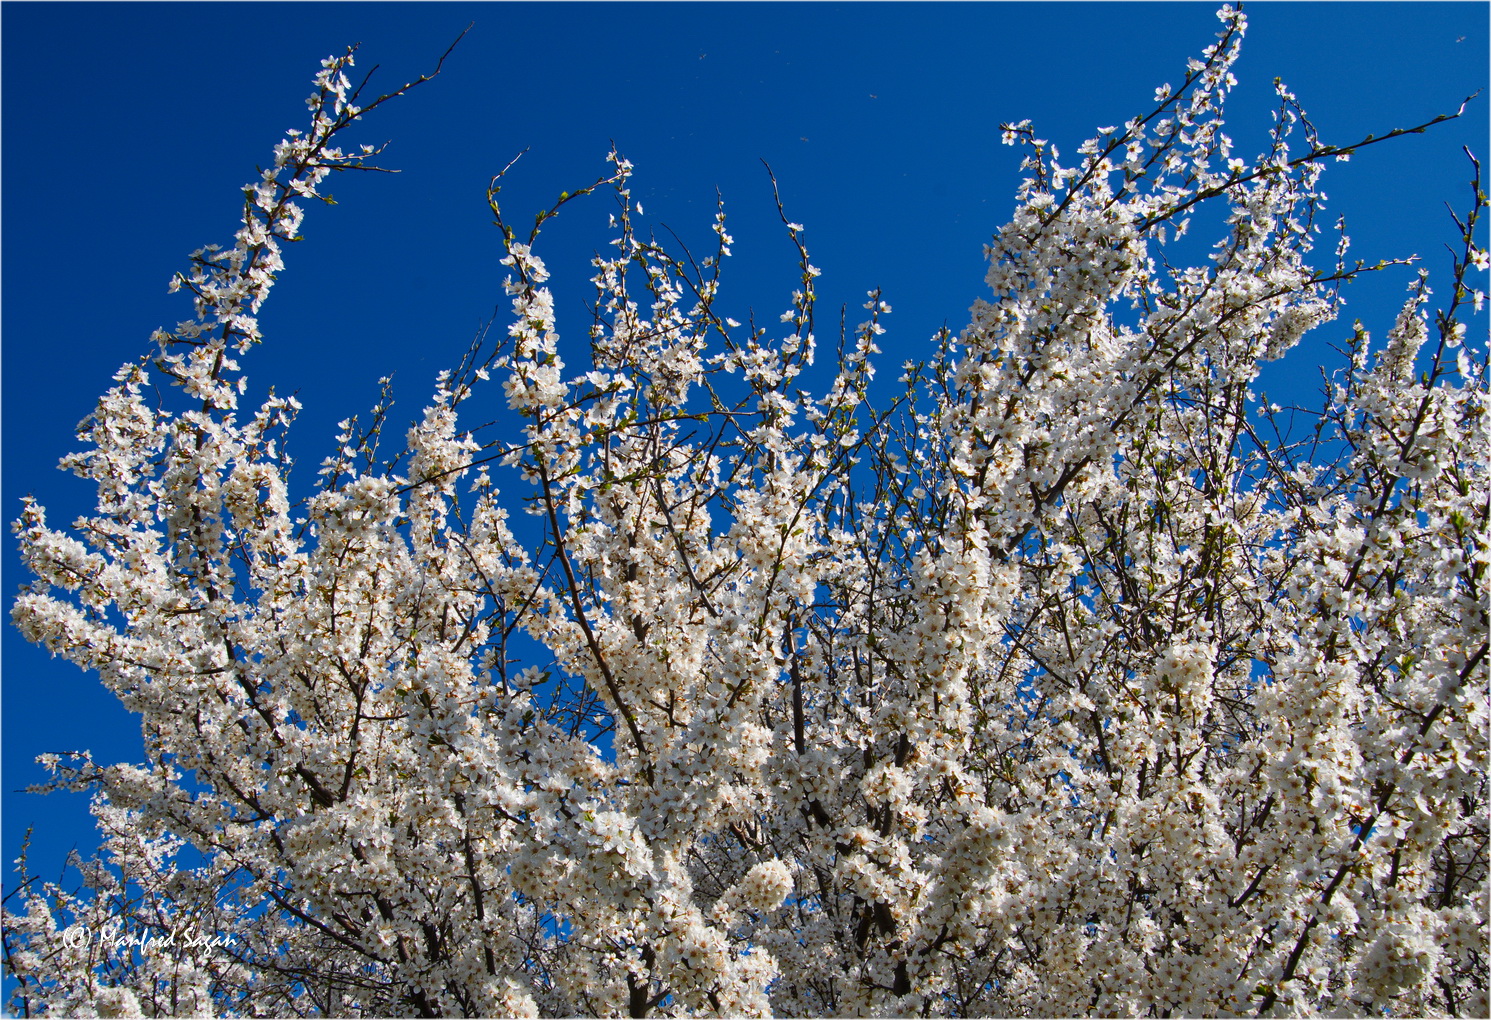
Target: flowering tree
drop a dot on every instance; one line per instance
(1067, 681)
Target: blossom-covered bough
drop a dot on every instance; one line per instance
(1069, 681)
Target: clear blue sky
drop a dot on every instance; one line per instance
(128, 128)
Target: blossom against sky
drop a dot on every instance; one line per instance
(129, 128)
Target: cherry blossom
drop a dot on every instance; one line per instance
(1068, 679)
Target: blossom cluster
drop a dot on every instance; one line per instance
(1069, 681)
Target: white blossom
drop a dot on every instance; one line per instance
(1073, 682)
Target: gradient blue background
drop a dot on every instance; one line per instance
(128, 129)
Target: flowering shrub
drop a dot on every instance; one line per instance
(1068, 681)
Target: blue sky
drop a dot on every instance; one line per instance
(128, 128)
